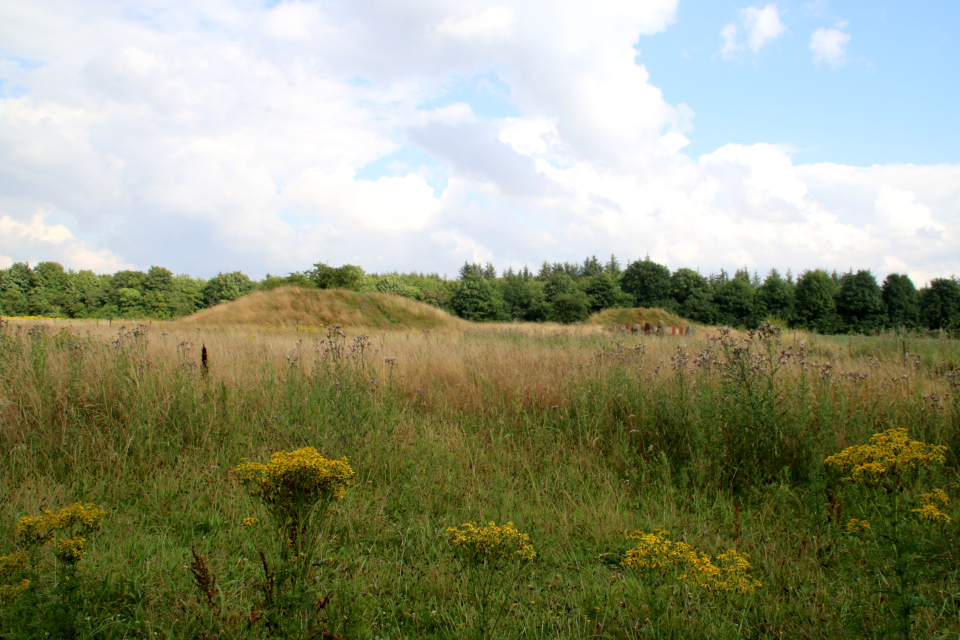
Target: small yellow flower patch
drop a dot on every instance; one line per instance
(9, 592)
(656, 551)
(12, 563)
(490, 543)
(929, 510)
(857, 526)
(69, 550)
(40, 529)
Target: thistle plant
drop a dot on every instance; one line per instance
(494, 558)
(29, 582)
(296, 489)
(897, 521)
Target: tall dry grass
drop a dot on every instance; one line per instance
(577, 434)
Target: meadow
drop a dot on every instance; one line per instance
(670, 487)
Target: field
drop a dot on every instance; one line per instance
(580, 436)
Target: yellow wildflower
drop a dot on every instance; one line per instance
(490, 543)
(249, 522)
(69, 550)
(39, 529)
(656, 551)
(8, 591)
(932, 512)
(857, 526)
(928, 506)
(12, 563)
(888, 453)
(296, 477)
(35, 529)
(86, 516)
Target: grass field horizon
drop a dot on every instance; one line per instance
(579, 435)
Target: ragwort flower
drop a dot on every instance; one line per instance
(887, 454)
(491, 544)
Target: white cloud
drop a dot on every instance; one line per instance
(898, 209)
(207, 136)
(491, 22)
(830, 45)
(292, 21)
(760, 26)
(36, 241)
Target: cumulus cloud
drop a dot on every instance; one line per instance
(758, 27)
(36, 241)
(488, 23)
(830, 45)
(208, 136)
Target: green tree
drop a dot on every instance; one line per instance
(20, 277)
(685, 282)
(225, 287)
(604, 293)
(395, 284)
(860, 302)
(14, 302)
(902, 301)
(158, 279)
(49, 296)
(477, 300)
(471, 269)
(699, 307)
(815, 303)
(648, 283)
(130, 302)
(87, 295)
(186, 297)
(558, 283)
(569, 307)
(736, 304)
(940, 304)
(775, 297)
(524, 299)
(348, 276)
(613, 267)
(591, 267)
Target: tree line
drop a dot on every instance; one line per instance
(817, 300)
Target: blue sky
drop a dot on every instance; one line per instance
(893, 100)
(209, 135)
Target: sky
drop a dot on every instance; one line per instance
(216, 135)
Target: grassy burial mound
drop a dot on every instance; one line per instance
(290, 306)
(637, 315)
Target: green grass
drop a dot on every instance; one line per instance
(650, 433)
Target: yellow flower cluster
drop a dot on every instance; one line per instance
(490, 543)
(10, 566)
(12, 563)
(888, 453)
(10, 591)
(296, 477)
(68, 550)
(77, 518)
(250, 522)
(857, 526)
(929, 509)
(656, 551)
